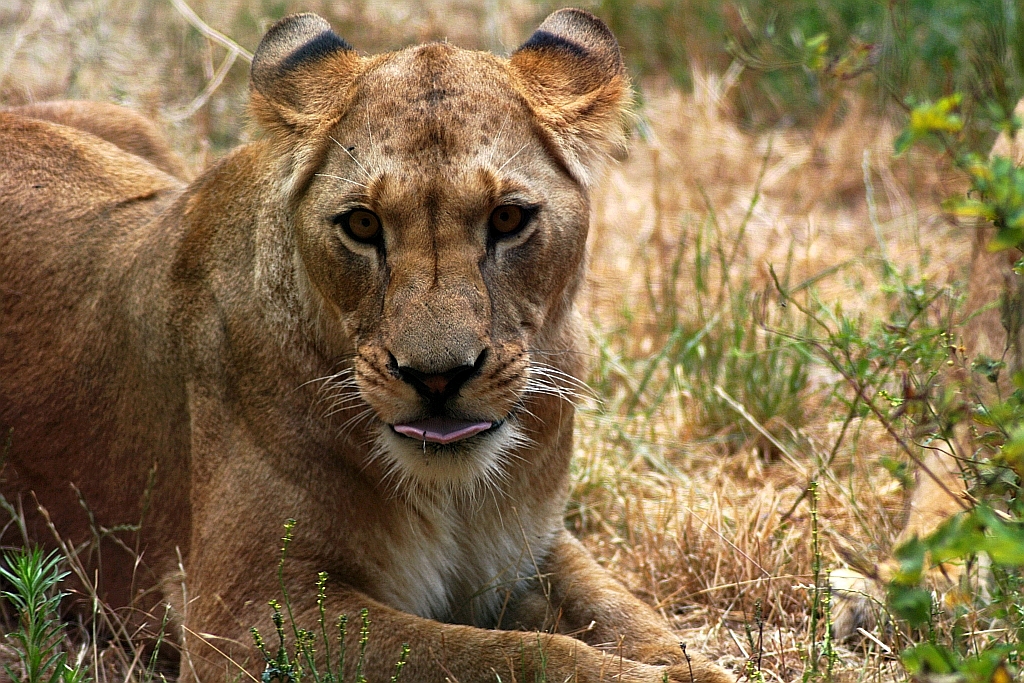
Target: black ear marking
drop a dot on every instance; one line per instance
(300, 72)
(571, 73)
(324, 45)
(295, 41)
(541, 40)
(578, 34)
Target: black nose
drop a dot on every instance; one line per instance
(437, 386)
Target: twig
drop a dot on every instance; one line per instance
(885, 648)
(826, 464)
(869, 193)
(214, 83)
(857, 386)
(682, 646)
(730, 543)
(205, 638)
(739, 408)
(208, 31)
(234, 51)
(743, 650)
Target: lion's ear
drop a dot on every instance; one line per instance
(300, 74)
(571, 72)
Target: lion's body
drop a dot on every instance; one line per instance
(204, 362)
(78, 387)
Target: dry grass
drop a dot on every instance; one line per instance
(707, 528)
(699, 527)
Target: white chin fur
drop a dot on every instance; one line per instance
(465, 467)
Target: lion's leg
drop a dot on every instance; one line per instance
(438, 652)
(231, 572)
(577, 596)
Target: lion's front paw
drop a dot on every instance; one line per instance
(856, 603)
(619, 670)
(698, 671)
(680, 663)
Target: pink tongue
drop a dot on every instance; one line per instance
(442, 429)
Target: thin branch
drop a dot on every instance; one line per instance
(859, 387)
(745, 414)
(211, 33)
(208, 91)
(727, 541)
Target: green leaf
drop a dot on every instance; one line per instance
(928, 658)
(957, 537)
(1003, 542)
(904, 141)
(989, 666)
(1013, 450)
(910, 555)
(910, 603)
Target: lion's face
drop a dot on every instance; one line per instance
(441, 222)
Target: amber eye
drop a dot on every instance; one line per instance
(361, 225)
(508, 219)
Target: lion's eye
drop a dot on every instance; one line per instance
(508, 219)
(362, 225)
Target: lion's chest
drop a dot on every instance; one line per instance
(461, 564)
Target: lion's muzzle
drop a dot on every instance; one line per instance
(437, 388)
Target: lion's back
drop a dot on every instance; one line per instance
(78, 216)
(120, 126)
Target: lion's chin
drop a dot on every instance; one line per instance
(465, 466)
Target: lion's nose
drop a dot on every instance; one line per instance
(434, 386)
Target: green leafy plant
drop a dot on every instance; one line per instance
(33, 578)
(301, 661)
(910, 373)
(963, 538)
(807, 53)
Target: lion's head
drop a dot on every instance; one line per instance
(441, 214)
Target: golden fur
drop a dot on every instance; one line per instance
(122, 127)
(206, 361)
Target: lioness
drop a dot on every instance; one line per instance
(363, 321)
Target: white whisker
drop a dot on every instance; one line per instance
(512, 157)
(545, 386)
(350, 424)
(497, 138)
(338, 177)
(573, 381)
(336, 408)
(328, 378)
(353, 158)
(369, 130)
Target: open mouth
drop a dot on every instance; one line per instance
(442, 430)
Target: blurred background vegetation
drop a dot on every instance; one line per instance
(796, 49)
(797, 55)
